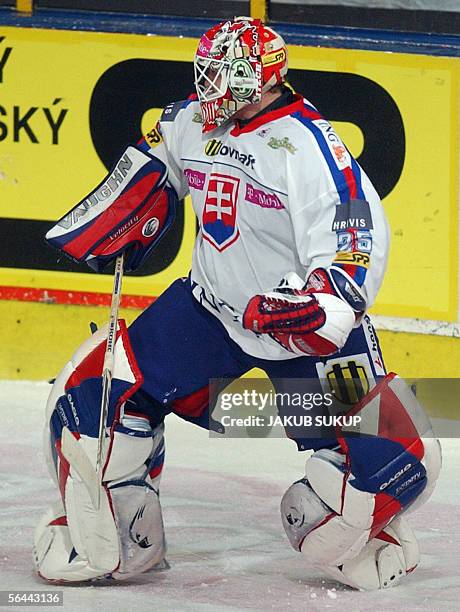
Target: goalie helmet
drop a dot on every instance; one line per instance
(235, 63)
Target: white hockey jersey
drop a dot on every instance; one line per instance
(282, 194)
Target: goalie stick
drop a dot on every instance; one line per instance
(107, 368)
(70, 447)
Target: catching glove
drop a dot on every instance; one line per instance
(306, 319)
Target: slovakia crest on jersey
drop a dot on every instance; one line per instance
(219, 212)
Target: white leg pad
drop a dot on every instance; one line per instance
(140, 529)
(125, 535)
(381, 564)
(53, 549)
(93, 532)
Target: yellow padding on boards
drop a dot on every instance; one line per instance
(24, 6)
(37, 339)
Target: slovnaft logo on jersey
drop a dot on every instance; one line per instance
(215, 147)
(349, 381)
(218, 224)
(334, 143)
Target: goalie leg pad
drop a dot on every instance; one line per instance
(103, 540)
(75, 398)
(124, 537)
(351, 501)
(384, 560)
(314, 529)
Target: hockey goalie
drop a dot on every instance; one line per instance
(290, 254)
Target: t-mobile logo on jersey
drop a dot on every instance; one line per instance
(195, 179)
(262, 199)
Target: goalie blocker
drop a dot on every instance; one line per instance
(347, 515)
(129, 212)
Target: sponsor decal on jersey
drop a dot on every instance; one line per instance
(195, 178)
(218, 224)
(282, 143)
(337, 148)
(355, 258)
(355, 214)
(263, 133)
(154, 137)
(340, 153)
(349, 377)
(215, 147)
(262, 199)
(210, 301)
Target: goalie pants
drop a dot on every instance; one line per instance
(180, 346)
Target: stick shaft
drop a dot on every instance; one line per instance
(107, 370)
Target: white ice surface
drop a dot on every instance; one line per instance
(227, 548)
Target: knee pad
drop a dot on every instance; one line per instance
(122, 535)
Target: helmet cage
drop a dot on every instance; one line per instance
(214, 77)
(211, 78)
(235, 63)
